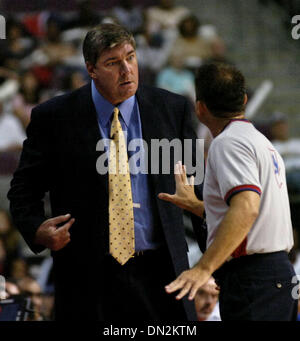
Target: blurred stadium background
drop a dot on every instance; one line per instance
(41, 58)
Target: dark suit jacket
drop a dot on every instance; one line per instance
(60, 156)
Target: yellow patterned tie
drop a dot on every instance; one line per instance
(121, 222)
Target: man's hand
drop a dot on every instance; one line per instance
(189, 282)
(53, 237)
(185, 196)
(233, 229)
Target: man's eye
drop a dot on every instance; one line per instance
(131, 57)
(111, 64)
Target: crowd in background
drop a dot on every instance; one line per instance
(42, 57)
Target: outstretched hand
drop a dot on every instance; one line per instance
(184, 196)
(189, 282)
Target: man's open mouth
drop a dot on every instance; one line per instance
(126, 83)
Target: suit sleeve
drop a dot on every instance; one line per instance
(199, 225)
(31, 181)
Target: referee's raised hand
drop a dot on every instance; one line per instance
(184, 196)
(52, 236)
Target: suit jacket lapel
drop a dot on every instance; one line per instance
(146, 109)
(149, 128)
(87, 125)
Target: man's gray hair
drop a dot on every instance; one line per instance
(103, 37)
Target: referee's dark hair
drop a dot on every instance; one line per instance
(222, 88)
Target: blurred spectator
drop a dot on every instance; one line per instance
(16, 46)
(152, 56)
(19, 269)
(288, 148)
(45, 277)
(86, 16)
(56, 50)
(2, 257)
(190, 46)
(11, 289)
(164, 16)
(10, 238)
(29, 287)
(74, 80)
(206, 301)
(12, 136)
(8, 289)
(45, 280)
(9, 84)
(12, 133)
(177, 79)
(217, 45)
(129, 15)
(47, 308)
(153, 50)
(279, 127)
(27, 97)
(35, 23)
(52, 53)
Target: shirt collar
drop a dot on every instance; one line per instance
(233, 120)
(105, 109)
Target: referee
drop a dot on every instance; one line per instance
(249, 230)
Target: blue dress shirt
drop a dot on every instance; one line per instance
(144, 225)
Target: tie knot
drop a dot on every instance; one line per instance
(116, 113)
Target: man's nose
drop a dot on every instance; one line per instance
(125, 68)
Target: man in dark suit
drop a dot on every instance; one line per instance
(60, 156)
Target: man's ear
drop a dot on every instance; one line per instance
(245, 99)
(201, 107)
(90, 69)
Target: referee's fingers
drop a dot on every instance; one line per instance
(192, 180)
(167, 197)
(193, 291)
(181, 171)
(184, 291)
(177, 284)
